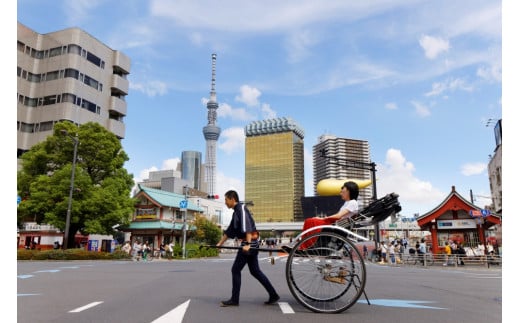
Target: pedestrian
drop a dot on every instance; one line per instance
(422, 251)
(162, 250)
(461, 253)
(172, 246)
(365, 252)
(126, 247)
(447, 253)
(146, 250)
(137, 250)
(384, 250)
(242, 227)
(391, 252)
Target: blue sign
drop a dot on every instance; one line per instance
(183, 204)
(18, 199)
(485, 212)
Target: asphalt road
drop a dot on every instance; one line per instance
(190, 291)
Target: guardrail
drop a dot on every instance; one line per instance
(454, 260)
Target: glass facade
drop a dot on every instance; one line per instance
(274, 175)
(191, 167)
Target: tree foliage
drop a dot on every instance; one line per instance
(207, 231)
(101, 195)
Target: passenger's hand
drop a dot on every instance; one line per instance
(246, 248)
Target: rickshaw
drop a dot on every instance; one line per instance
(329, 276)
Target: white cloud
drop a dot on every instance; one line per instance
(267, 112)
(473, 169)
(227, 111)
(266, 15)
(171, 163)
(78, 11)
(491, 73)
(248, 95)
(232, 140)
(151, 89)
(397, 175)
(433, 46)
(421, 109)
(449, 85)
(391, 106)
(226, 183)
(298, 43)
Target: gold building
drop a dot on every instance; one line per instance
(274, 178)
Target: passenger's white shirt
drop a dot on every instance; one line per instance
(352, 206)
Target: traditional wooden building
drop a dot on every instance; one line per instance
(459, 220)
(160, 216)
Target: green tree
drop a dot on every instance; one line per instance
(206, 231)
(101, 196)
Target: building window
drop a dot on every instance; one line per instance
(67, 97)
(30, 102)
(74, 49)
(27, 127)
(34, 77)
(55, 51)
(46, 126)
(54, 75)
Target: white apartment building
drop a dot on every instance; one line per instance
(67, 75)
(349, 160)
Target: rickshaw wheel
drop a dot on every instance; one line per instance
(329, 276)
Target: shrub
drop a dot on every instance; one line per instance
(192, 251)
(70, 254)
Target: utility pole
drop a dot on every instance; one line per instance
(69, 207)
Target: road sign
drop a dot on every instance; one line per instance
(183, 204)
(485, 212)
(18, 199)
(475, 213)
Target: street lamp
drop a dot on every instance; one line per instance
(69, 208)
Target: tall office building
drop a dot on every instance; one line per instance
(211, 133)
(274, 177)
(191, 164)
(342, 150)
(67, 75)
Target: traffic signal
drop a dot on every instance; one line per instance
(212, 197)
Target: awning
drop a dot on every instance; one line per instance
(155, 225)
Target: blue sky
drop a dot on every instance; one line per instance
(419, 80)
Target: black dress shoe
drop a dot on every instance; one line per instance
(272, 300)
(228, 303)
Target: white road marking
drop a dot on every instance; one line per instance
(25, 276)
(79, 309)
(174, 316)
(286, 308)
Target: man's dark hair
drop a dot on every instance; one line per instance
(353, 188)
(232, 195)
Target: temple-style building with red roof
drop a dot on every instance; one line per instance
(459, 220)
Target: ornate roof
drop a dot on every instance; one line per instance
(271, 126)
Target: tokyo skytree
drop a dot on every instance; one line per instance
(211, 133)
